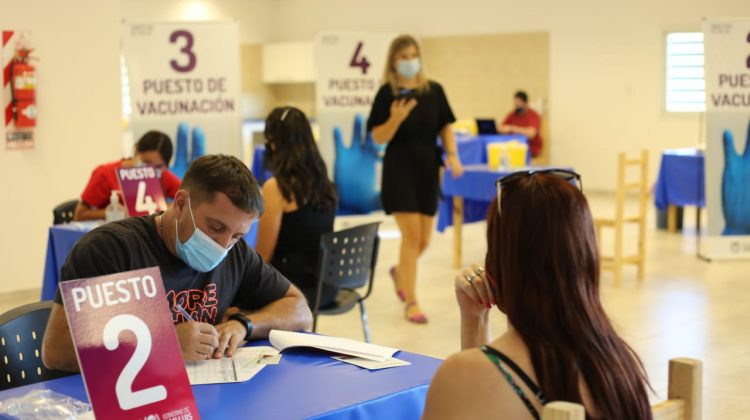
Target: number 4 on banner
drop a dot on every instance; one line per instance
(358, 61)
(144, 202)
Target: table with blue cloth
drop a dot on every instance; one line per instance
(467, 199)
(681, 182)
(305, 384)
(61, 240)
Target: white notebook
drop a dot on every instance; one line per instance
(283, 340)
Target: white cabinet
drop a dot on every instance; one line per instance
(288, 62)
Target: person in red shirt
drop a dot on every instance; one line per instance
(153, 148)
(524, 120)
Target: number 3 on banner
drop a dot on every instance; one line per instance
(128, 399)
(144, 202)
(187, 50)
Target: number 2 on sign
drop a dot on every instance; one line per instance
(144, 202)
(359, 61)
(128, 399)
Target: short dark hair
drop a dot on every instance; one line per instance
(210, 174)
(522, 96)
(158, 141)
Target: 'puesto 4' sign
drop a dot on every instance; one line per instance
(127, 347)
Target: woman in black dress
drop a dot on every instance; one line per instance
(300, 202)
(408, 114)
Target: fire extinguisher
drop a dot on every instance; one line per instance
(23, 91)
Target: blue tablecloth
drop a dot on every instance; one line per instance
(260, 174)
(476, 186)
(473, 149)
(305, 384)
(61, 240)
(681, 179)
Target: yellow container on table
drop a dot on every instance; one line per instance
(495, 154)
(507, 155)
(516, 152)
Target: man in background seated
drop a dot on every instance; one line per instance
(205, 263)
(153, 148)
(524, 120)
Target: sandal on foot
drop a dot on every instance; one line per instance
(399, 292)
(419, 318)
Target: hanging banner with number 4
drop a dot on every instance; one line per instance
(141, 190)
(127, 347)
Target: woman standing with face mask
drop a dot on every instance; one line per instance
(408, 114)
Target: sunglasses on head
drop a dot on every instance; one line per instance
(565, 174)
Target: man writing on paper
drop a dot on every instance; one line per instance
(524, 120)
(205, 263)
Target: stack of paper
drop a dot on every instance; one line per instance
(283, 340)
(243, 365)
(365, 355)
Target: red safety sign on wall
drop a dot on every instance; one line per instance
(19, 90)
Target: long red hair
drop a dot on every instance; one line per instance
(542, 254)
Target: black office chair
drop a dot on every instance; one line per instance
(64, 212)
(347, 260)
(21, 333)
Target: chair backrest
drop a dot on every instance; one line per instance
(21, 334)
(624, 186)
(64, 212)
(348, 257)
(684, 396)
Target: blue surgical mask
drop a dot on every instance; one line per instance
(408, 68)
(200, 251)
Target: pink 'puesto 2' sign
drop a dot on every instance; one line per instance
(127, 347)
(141, 190)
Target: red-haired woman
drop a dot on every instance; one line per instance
(542, 272)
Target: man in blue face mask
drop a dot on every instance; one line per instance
(220, 291)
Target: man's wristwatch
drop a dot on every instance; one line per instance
(242, 319)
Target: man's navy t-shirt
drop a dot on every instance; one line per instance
(242, 279)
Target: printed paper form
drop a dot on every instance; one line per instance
(246, 363)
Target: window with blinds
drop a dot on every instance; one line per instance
(686, 86)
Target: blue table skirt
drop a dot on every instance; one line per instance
(681, 179)
(476, 186)
(61, 240)
(305, 384)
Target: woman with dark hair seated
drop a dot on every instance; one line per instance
(300, 202)
(542, 272)
(153, 148)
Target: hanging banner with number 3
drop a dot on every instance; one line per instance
(141, 190)
(127, 347)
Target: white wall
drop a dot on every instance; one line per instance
(78, 125)
(606, 64)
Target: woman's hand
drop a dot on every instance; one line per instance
(400, 108)
(473, 293)
(454, 164)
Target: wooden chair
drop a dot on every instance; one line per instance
(617, 260)
(684, 396)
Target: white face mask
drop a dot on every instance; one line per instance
(408, 68)
(200, 251)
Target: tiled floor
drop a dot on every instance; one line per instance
(685, 307)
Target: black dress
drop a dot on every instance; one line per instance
(412, 159)
(297, 249)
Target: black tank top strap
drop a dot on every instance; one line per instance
(521, 374)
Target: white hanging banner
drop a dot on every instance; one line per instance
(349, 68)
(185, 72)
(727, 73)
